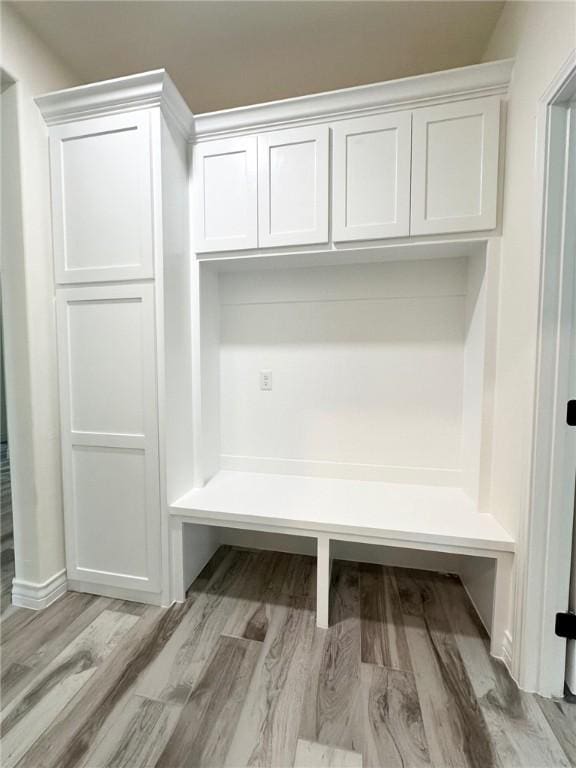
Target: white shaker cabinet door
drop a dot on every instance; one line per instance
(371, 177)
(102, 198)
(455, 167)
(293, 186)
(110, 435)
(225, 195)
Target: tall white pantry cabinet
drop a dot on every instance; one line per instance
(119, 174)
(349, 241)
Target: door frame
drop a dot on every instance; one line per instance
(545, 536)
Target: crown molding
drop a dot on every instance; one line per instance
(474, 81)
(142, 91)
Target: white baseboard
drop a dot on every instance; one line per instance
(344, 470)
(116, 593)
(37, 596)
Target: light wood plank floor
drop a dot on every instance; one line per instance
(6, 532)
(240, 675)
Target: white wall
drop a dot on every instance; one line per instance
(27, 288)
(367, 366)
(539, 36)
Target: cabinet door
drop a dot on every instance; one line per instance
(102, 199)
(371, 177)
(455, 167)
(225, 195)
(293, 187)
(110, 435)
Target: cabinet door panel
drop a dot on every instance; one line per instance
(371, 177)
(225, 203)
(110, 435)
(102, 199)
(455, 167)
(293, 187)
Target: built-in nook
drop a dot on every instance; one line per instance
(286, 329)
(375, 424)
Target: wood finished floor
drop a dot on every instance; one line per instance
(6, 532)
(240, 675)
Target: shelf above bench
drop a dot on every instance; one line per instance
(397, 514)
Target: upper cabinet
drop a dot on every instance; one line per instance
(371, 177)
(410, 158)
(455, 167)
(262, 191)
(293, 187)
(225, 191)
(102, 198)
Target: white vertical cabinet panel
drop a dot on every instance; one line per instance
(110, 435)
(293, 179)
(371, 177)
(455, 167)
(102, 199)
(225, 195)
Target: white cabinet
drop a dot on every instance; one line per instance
(109, 435)
(225, 193)
(293, 186)
(455, 167)
(371, 177)
(265, 191)
(102, 198)
(120, 217)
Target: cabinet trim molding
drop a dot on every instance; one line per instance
(122, 94)
(490, 78)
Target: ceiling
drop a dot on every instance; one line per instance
(225, 54)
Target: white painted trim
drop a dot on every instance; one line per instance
(541, 574)
(37, 596)
(486, 79)
(122, 94)
(507, 648)
(116, 593)
(344, 470)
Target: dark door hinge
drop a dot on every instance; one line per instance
(566, 625)
(571, 413)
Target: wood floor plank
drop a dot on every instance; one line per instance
(300, 580)
(298, 695)
(78, 727)
(267, 729)
(332, 708)
(518, 729)
(181, 662)
(40, 645)
(310, 754)
(561, 716)
(138, 734)
(455, 728)
(21, 644)
(249, 616)
(207, 573)
(206, 725)
(262, 587)
(393, 727)
(25, 720)
(62, 611)
(383, 637)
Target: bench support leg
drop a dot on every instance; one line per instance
(323, 568)
(177, 587)
(500, 611)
